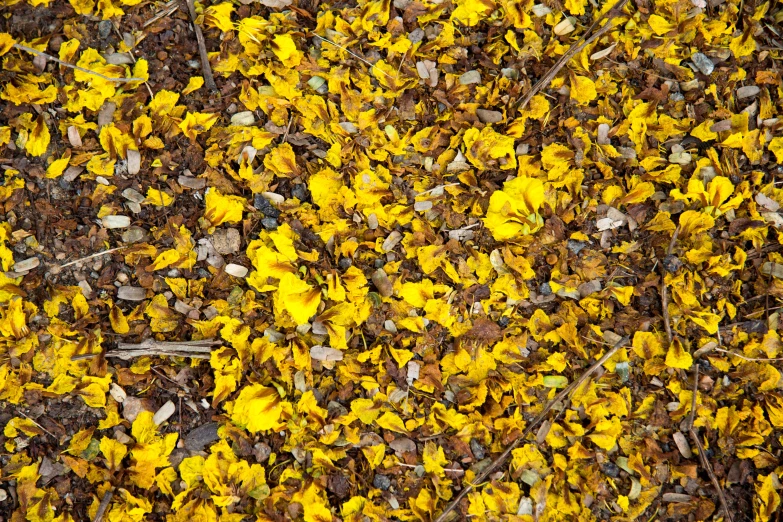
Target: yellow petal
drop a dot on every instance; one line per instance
(257, 408)
(298, 298)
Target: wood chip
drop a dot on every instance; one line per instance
(565, 26)
(677, 497)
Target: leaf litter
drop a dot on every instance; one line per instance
(407, 260)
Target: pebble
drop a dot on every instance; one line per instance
(300, 192)
(115, 221)
(131, 293)
(133, 195)
(747, 91)
(192, 183)
(134, 235)
(134, 162)
(610, 469)
(703, 63)
(478, 450)
(486, 116)
(236, 270)
(416, 36)
(262, 204)
(545, 289)
(104, 29)
(575, 246)
(470, 78)
(382, 283)
(269, 223)
(199, 437)
(244, 119)
(382, 482)
(345, 263)
(163, 414)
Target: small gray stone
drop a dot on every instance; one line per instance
(470, 78)
(262, 204)
(382, 482)
(747, 92)
(478, 450)
(104, 29)
(545, 289)
(416, 36)
(198, 438)
(703, 63)
(134, 235)
(269, 223)
(345, 263)
(300, 192)
(575, 246)
(486, 116)
(131, 293)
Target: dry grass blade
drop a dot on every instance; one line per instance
(535, 422)
(76, 67)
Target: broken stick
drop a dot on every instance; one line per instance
(126, 351)
(206, 69)
(535, 422)
(575, 49)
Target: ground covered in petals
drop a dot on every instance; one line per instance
(330, 261)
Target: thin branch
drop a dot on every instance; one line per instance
(23, 414)
(206, 69)
(708, 468)
(535, 422)
(194, 349)
(104, 505)
(72, 66)
(363, 60)
(667, 320)
(692, 417)
(575, 49)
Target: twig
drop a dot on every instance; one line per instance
(60, 267)
(575, 49)
(695, 438)
(370, 64)
(450, 470)
(537, 420)
(708, 468)
(667, 321)
(168, 9)
(104, 505)
(206, 69)
(692, 417)
(82, 69)
(126, 351)
(23, 414)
